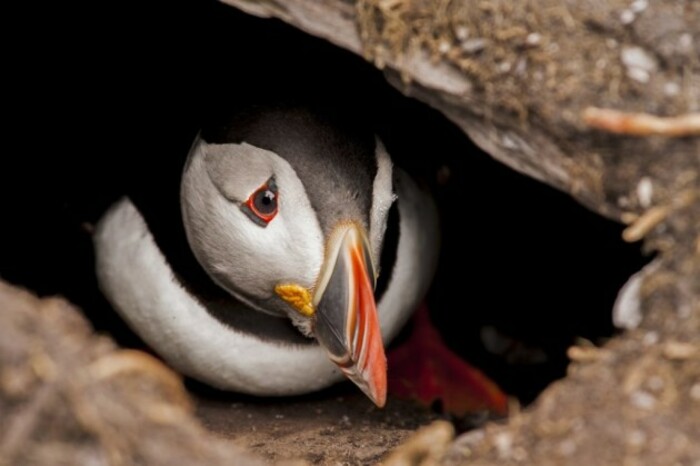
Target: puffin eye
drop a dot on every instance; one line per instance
(261, 206)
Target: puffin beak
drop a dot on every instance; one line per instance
(346, 322)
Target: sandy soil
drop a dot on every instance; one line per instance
(336, 427)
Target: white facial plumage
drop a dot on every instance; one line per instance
(242, 256)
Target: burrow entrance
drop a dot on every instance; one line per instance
(525, 271)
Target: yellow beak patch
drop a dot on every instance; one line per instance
(298, 297)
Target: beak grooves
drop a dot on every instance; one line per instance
(347, 324)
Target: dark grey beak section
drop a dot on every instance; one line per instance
(346, 321)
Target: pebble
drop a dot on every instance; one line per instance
(650, 338)
(695, 392)
(474, 45)
(645, 191)
(686, 41)
(637, 57)
(638, 75)
(642, 400)
(640, 63)
(672, 89)
(627, 17)
(504, 67)
(639, 5)
(534, 38)
(504, 444)
(462, 33)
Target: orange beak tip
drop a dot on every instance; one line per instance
(347, 323)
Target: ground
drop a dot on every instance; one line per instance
(337, 427)
(70, 396)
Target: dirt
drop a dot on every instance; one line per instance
(339, 426)
(70, 396)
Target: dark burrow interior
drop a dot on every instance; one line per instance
(525, 271)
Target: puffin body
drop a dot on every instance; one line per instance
(309, 251)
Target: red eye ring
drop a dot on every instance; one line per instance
(262, 206)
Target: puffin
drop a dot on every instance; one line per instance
(305, 249)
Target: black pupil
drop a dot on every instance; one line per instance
(265, 201)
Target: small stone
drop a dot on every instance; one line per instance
(475, 45)
(462, 33)
(645, 191)
(510, 142)
(504, 67)
(444, 47)
(627, 312)
(695, 392)
(650, 338)
(672, 89)
(638, 75)
(627, 17)
(685, 41)
(640, 63)
(643, 400)
(637, 57)
(533, 39)
(471, 438)
(504, 444)
(639, 5)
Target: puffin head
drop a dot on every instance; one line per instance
(287, 212)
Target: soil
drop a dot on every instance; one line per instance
(69, 396)
(339, 426)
